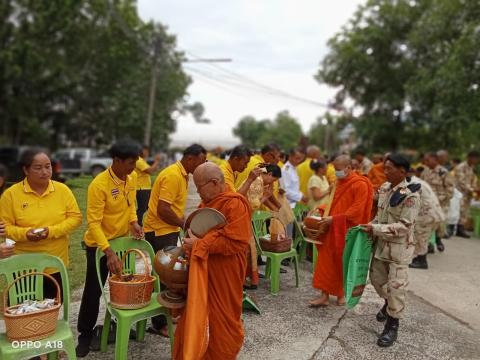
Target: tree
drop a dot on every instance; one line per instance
(250, 130)
(69, 70)
(411, 67)
(284, 131)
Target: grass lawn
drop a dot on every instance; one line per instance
(78, 262)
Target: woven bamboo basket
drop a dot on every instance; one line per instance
(134, 294)
(35, 325)
(276, 246)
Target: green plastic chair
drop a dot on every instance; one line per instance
(475, 213)
(274, 260)
(126, 318)
(300, 210)
(31, 287)
(299, 242)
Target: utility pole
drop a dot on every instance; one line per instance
(153, 90)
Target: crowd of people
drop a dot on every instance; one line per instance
(401, 206)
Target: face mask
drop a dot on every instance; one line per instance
(340, 174)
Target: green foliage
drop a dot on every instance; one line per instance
(412, 68)
(284, 130)
(71, 70)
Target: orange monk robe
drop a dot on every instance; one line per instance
(351, 205)
(377, 175)
(211, 325)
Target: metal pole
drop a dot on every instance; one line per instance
(153, 89)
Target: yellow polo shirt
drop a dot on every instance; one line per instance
(241, 177)
(330, 174)
(110, 208)
(228, 174)
(304, 174)
(22, 209)
(144, 182)
(170, 186)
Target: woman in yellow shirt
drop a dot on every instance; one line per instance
(39, 213)
(318, 186)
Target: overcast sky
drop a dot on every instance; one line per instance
(276, 43)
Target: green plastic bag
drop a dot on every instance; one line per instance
(356, 264)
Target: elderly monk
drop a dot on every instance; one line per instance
(211, 325)
(351, 205)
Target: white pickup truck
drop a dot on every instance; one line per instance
(78, 161)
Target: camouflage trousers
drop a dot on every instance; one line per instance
(422, 235)
(390, 280)
(464, 209)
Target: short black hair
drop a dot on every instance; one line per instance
(240, 151)
(27, 156)
(432, 154)
(274, 169)
(473, 154)
(399, 161)
(295, 150)
(269, 148)
(125, 149)
(194, 150)
(316, 164)
(359, 151)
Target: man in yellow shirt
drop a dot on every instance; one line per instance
(110, 214)
(144, 183)
(270, 154)
(166, 209)
(236, 163)
(304, 171)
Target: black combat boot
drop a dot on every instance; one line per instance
(450, 231)
(382, 314)
(419, 262)
(431, 248)
(438, 241)
(461, 232)
(389, 334)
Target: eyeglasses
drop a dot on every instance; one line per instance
(199, 187)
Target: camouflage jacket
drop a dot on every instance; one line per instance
(441, 182)
(393, 226)
(465, 179)
(430, 210)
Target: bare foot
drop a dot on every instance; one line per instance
(341, 301)
(321, 301)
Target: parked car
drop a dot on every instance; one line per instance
(10, 158)
(78, 161)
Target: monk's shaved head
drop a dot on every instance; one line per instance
(208, 171)
(313, 151)
(344, 160)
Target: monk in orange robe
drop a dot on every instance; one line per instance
(351, 205)
(377, 175)
(210, 327)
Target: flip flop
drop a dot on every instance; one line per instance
(317, 305)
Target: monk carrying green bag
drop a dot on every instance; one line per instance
(356, 263)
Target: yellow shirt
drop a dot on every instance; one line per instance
(228, 174)
(110, 208)
(304, 174)
(144, 182)
(241, 177)
(170, 186)
(330, 174)
(214, 158)
(22, 209)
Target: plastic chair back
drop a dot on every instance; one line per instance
(31, 287)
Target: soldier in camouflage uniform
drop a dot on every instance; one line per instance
(466, 183)
(392, 233)
(429, 216)
(442, 183)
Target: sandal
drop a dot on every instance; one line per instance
(314, 304)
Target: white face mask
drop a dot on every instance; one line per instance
(340, 174)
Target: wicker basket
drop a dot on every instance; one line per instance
(276, 246)
(134, 294)
(35, 325)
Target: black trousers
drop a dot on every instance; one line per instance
(158, 243)
(143, 196)
(49, 288)
(89, 307)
